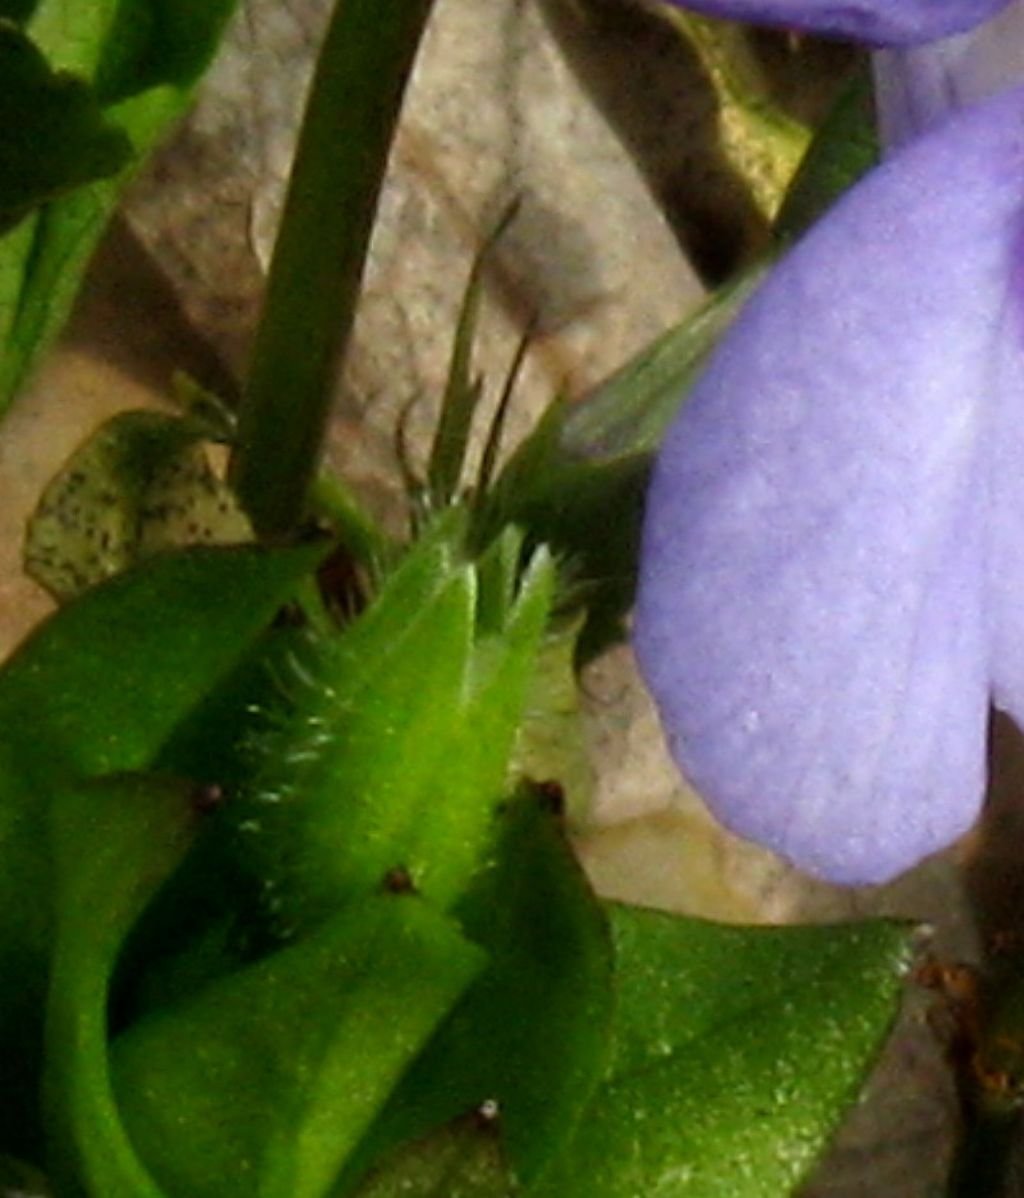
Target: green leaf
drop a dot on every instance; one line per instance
(333, 502)
(114, 841)
(207, 920)
(844, 148)
(737, 1050)
(145, 57)
(71, 34)
(53, 136)
(477, 774)
(141, 483)
(398, 748)
(99, 687)
(461, 1161)
(264, 1081)
(533, 1033)
(631, 411)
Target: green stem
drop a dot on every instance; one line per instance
(318, 260)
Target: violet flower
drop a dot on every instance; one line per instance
(875, 22)
(832, 573)
(917, 86)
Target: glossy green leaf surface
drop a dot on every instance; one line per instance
(100, 685)
(532, 1035)
(737, 1049)
(144, 58)
(39, 108)
(114, 840)
(264, 1081)
(544, 1008)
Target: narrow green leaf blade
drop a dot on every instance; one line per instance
(463, 390)
(844, 148)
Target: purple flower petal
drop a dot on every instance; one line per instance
(876, 22)
(817, 607)
(919, 86)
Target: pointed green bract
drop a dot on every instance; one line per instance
(265, 1080)
(463, 389)
(497, 571)
(397, 750)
